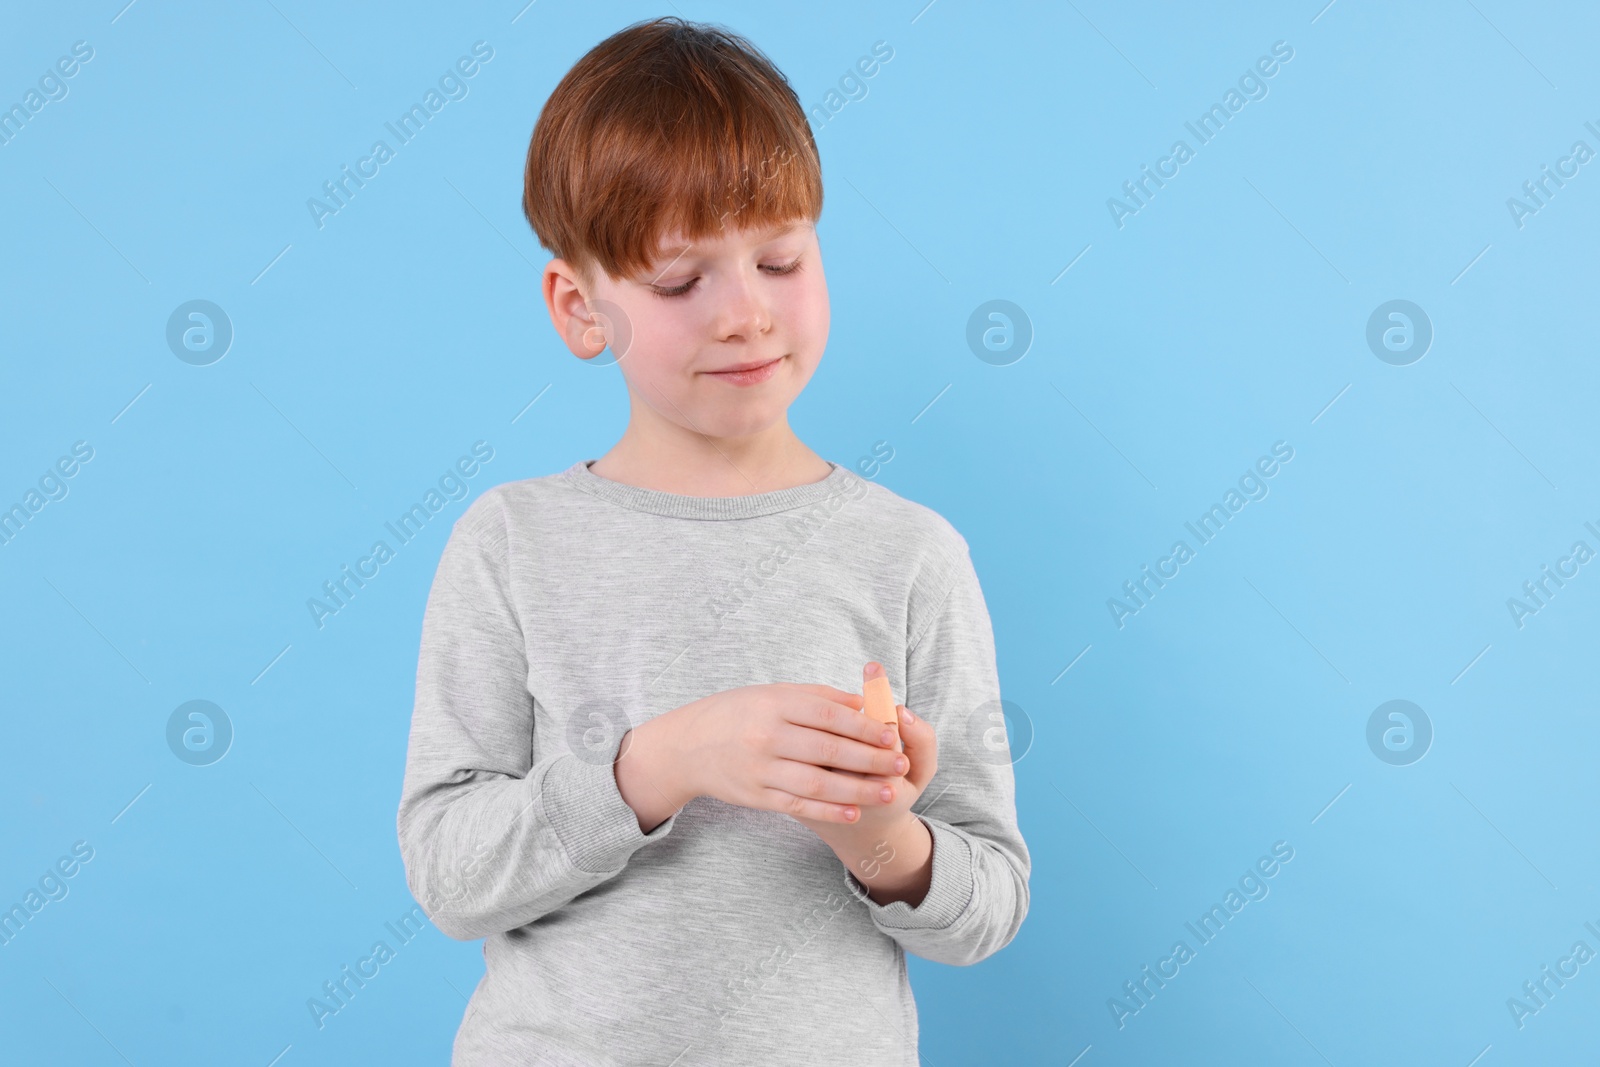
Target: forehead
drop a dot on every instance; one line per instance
(675, 244)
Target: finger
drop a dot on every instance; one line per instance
(822, 748)
(842, 696)
(877, 697)
(806, 808)
(844, 720)
(816, 783)
(922, 747)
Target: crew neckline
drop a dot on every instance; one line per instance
(683, 506)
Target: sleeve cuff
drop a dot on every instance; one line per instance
(949, 887)
(595, 825)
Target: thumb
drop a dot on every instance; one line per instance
(921, 748)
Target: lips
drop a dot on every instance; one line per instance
(744, 366)
(742, 375)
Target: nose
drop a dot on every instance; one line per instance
(743, 313)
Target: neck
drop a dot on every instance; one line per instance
(654, 454)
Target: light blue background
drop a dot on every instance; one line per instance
(1223, 317)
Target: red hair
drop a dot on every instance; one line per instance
(666, 126)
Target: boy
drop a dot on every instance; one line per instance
(638, 765)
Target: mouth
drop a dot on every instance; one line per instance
(747, 373)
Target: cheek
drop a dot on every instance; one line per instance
(659, 338)
(811, 312)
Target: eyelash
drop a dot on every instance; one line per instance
(682, 290)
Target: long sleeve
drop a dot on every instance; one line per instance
(978, 895)
(497, 827)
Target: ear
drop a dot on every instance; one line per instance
(569, 311)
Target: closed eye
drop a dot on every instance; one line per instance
(680, 290)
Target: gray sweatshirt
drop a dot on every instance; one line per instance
(569, 608)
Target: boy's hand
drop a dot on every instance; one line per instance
(889, 850)
(885, 821)
(784, 747)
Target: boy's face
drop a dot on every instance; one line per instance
(702, 308)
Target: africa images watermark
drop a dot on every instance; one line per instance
(1252, 486)
(740, 988)
(1537, 993)
(452, 86)
(338, 992)
(52, 87)
(52, 486)
(1252, 86)
(339, 591)
(852, 84)
(799, 527)
(52, 887)
(1138, 993)
(1537, 192)
(1538, 592)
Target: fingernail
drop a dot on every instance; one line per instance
(900, 765)
(887, 737)
(850, 814)
(886, 793)
(905, 714)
